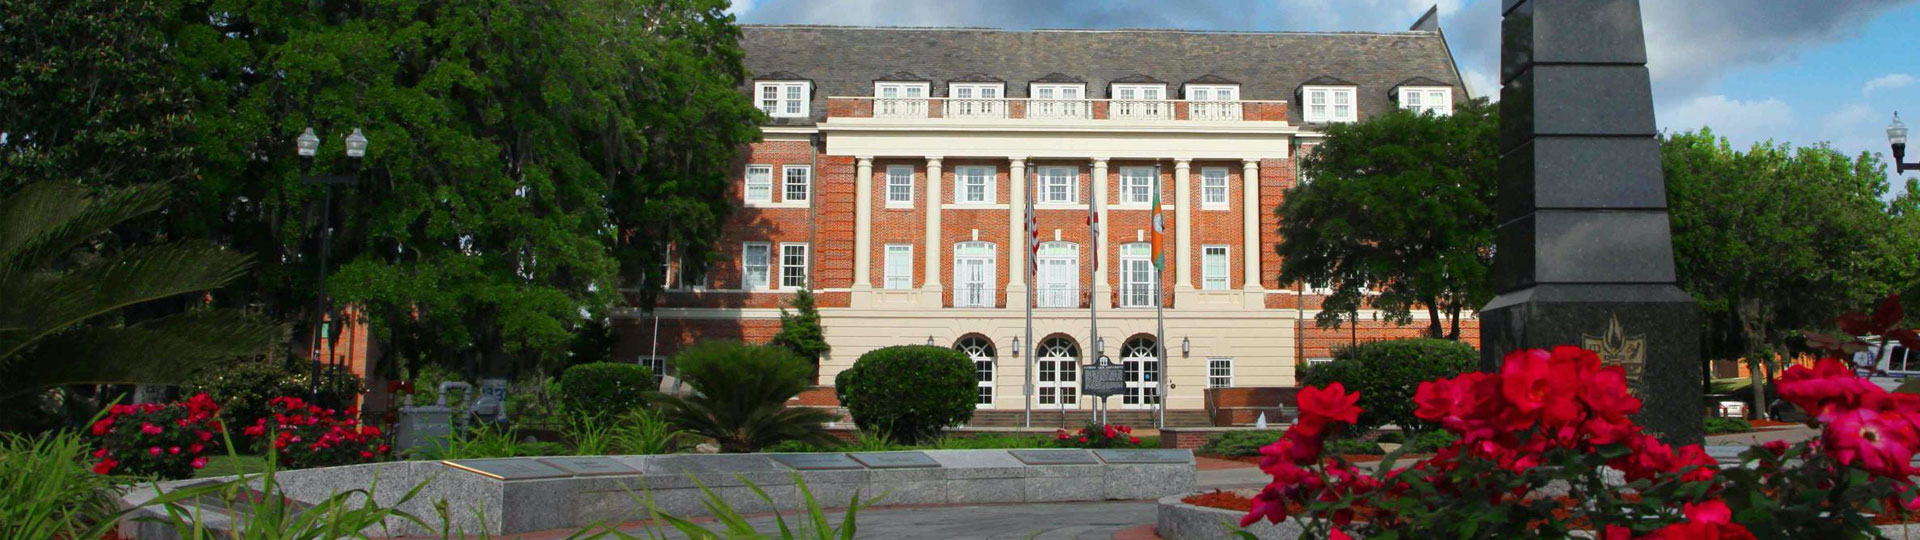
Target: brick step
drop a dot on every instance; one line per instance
(1073, 419)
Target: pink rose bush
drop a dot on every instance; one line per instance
(1548, 446)
(167, 441)
(304, 435)
(1098, 436)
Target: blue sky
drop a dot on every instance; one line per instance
(1803, 71)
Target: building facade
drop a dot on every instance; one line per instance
(897, 164)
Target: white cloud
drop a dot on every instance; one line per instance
(740, 7)
(1744, 122)
(1890, 80)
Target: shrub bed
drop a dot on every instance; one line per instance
(911, 393)
(1385, 374)
(167, 441)
(605, 389)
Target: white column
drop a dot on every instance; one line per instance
(863, 225)
(930, 295)
(1183, 228)
(1016, 228)
(1102, 292)
(1250, 178)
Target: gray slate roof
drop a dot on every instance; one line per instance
(844, 61)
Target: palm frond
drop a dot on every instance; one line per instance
(161, 350)
(48, 219)
(40, 304)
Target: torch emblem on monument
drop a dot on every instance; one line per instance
(1616, 348)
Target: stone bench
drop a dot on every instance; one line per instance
(514, 495)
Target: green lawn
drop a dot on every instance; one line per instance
(225, 465)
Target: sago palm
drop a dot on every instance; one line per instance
(60, 296)
(740, 395)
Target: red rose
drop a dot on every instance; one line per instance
(1320, 406)
(105, 466)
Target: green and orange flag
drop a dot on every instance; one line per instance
(1159, 227)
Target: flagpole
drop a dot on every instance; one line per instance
(1032, 265)
(1093, 304)
(1159, 301)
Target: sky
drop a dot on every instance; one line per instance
(1798, 71)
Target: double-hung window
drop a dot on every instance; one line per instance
(1057, 101)
(899, 266)
(900, 99)
(1219, 372)
(1136, 186)
(973, 184)
(793, 266)
(1436, 100)
(689, 279)
(755, 262)
(1213, 188)
(1213, 268)
(783, 99)
(1059, 185)
(1329, 104)
(798, 180)
(899, 186)
(1059, 279)
(974, 274)
(1140, 101)
(975, 100)
(759, 184)
(1137, 276)
(1213, 102)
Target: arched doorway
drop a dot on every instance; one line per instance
(1058, 382)
(1141, 357)
(980, 350)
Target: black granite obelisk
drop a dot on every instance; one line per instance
(1585, 252)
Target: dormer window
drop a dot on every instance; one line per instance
(1213, 101)
(976, 100)
(1057, 96)
(1419, 99)
(1139, 97)
(1327, 104)
(784, 99)
(906, 99)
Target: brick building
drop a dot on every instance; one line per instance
(895, 169)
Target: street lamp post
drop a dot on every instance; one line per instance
(309, 144)
(1897, 136)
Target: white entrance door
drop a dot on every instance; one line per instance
(1143, 374)
(981, 351)
(1059, 376)
(973, 266)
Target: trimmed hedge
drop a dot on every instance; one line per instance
(1238, 443)
(1386, 374)
(243, 388)
(605, 389)
(909, 392)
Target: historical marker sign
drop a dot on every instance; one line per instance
(814, 462)
(1103, 378)
(509, 468)
(894, 460)
(1146, 455)
(1054, 457)
(589, 466)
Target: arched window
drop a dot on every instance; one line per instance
(1142, 360)
(1058, 285)
(980, 349)
(1059, 375)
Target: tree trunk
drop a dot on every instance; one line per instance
(1453, 318)
(1754, 332)
(1434, 330)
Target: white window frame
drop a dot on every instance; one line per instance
(764, 184)
(1058, 377)
(897, 267)
(1072, 184)
(1057, 100)
(1214, 196)
(985, 366)
(685, 282)
(1140, 101)
(1213, 101)
(788, 183)
(784, 99)
(656, 365)
(976, 100)
(1140, 361)
(1318, 361)
(1219, 372)
(906, 184)
(747, 266)
(965, 291)
(1136, 258)
(1323, 104)
(1435, 99)
(1058, 281)
(901, 99)
(1216, 277)
(990, 189)
(806, 254)
(1136, 186)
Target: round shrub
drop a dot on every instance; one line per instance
(605, 389)
(910, 392)
(1386, 374)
